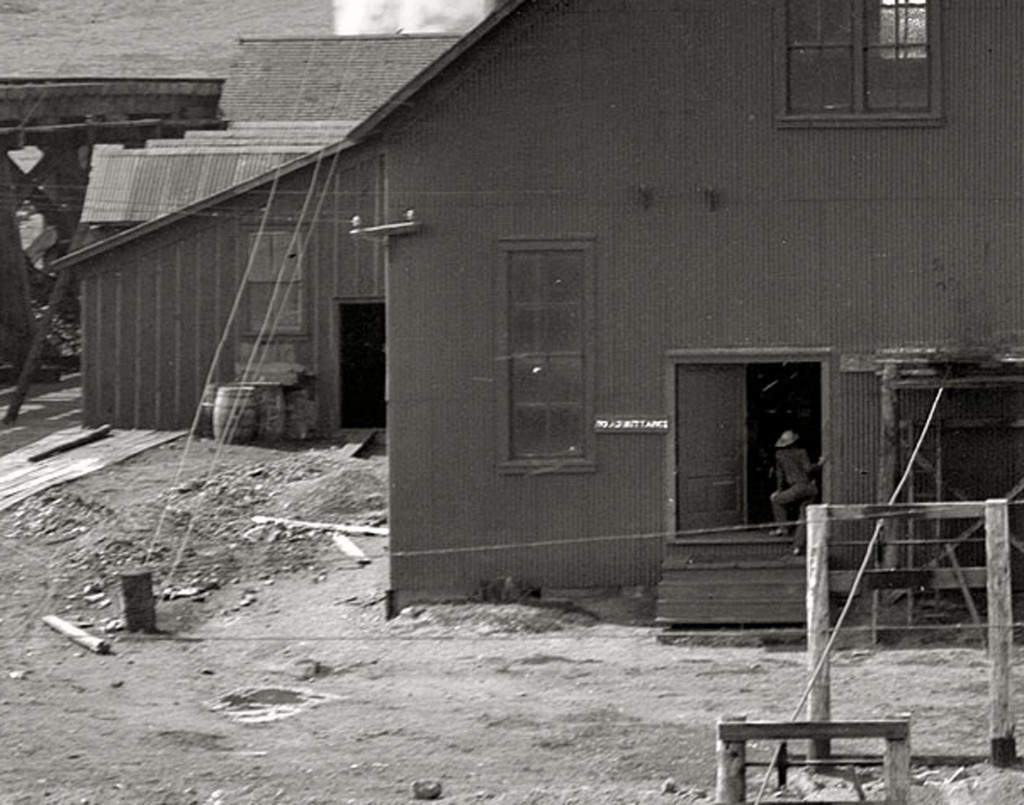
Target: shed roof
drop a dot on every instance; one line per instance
(128, 185)
(297, 163)
(324, 78)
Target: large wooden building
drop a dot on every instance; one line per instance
(653, 235)
(623, 246)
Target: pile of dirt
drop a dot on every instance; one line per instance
(475, 618)
(198, 533)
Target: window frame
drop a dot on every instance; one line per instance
(860, 116)
(508, 463)
(291, 238)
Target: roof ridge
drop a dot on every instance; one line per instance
(349, 37)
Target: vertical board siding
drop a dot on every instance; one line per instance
(649, 126)
(155, 309)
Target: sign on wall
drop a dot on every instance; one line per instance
(631, 424)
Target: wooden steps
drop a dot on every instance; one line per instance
(737, 579)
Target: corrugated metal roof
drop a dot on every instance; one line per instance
(326, 78)
(129, 185)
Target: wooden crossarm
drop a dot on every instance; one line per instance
(891, 729)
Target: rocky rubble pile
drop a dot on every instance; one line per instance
(200, 533)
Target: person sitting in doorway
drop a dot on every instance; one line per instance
(794, 483)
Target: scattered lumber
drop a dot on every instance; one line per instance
(95, 644)
(347, 546)
(357, 530)
(20, 478)
(86, 438)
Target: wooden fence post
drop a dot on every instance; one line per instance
(731, 773)
(137, 597)
(897, 768)
(819, 706)
(1000, 632)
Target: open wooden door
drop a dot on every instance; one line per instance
(711, 446)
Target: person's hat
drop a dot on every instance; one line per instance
(787, 438)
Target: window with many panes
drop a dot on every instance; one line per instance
(274, 293)
(544, 348)
(854, 60)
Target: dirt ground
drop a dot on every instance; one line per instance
(275, 677)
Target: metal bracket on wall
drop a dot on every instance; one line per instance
(406, 227)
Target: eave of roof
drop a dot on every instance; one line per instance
(372, 123)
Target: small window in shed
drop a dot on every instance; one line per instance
(274, 290)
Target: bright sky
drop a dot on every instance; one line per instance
(408, 16)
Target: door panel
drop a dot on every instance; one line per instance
(711, 445)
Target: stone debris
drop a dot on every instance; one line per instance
(426, 789)
(202, 528)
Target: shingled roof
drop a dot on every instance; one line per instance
(283, 98)
(324, 78)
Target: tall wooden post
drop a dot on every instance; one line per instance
(15, 299)
(888, 459)
(1000, 632)
(819, 702)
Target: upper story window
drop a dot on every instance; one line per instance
(274, 292)
(544, 342)
(854, 61)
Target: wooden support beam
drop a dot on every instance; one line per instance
(938, 578)
(889, 729)
(941, 510)
(819, 705)
(36, 348)
(885, 483)
(961, 580)
(15, 300)
(1000, 633)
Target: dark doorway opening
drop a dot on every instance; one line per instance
(729, 417)
(780, 397)
(363, 369)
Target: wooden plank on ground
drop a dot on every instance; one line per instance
(356, 441)
(20, 478)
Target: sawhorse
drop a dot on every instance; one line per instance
(734, 734)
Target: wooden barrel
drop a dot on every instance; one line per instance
(204, 423)
(234, 414)
(268, 400)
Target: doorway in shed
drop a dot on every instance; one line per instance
(363, 368)
(729, 417)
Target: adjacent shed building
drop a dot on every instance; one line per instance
(231, 259)
(656, 234)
